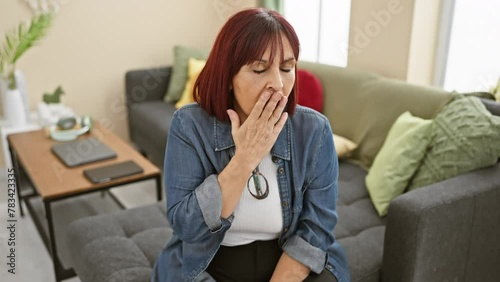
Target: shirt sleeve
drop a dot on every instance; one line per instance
(194, 199)
(318, 217)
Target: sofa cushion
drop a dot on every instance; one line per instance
(360, 231)
(194, 68)
(362, 106)
(310, 90)
(466, 137)
(179, 74)
(398, 159)
(343, 146)
(119, 246)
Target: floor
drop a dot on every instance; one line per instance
(33, 262)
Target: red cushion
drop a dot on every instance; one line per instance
(310, 90)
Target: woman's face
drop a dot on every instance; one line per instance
(256, 78)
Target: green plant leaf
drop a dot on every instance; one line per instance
(20, 40)
(28, 36)
(9, 42)
(1, 63)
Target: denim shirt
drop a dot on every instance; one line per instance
(199, 147)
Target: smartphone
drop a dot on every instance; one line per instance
(110, 172)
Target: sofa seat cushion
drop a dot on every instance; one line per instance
(360, 231)
(149, 125)
(119, 246)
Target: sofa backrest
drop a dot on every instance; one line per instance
(362, 106)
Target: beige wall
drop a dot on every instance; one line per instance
(92, 43)
(379, 38)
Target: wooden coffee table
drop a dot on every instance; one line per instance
(53, 181)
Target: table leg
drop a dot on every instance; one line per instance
(158, 187)
(17, 176)
(52, 238)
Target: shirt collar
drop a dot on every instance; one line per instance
(224, 139)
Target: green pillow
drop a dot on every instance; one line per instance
(397, 160)
(466, 137)
(179, 74)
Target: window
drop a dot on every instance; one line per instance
(473, 57)
(322, 27)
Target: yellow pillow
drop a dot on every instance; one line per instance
(343, 146)
(194, 68)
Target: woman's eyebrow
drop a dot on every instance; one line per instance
(262, 61)
(284, 61)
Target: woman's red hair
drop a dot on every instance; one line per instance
(242, 40)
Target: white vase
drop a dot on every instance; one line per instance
(3, 90)
(23, 88)
(15, 112)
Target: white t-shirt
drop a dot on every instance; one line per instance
(256, 219)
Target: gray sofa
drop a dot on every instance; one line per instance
(447, 231)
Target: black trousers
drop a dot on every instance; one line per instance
(254, 262)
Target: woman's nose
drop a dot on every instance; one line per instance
(275, 80)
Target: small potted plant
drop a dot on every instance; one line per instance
(50, 109)
(17, 42)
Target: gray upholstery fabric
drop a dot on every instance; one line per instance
(359, 230)
(149, 116)
(146, 84)
(149, 124)
(447, 231)
(120, 246)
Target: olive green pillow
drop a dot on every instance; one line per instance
(179, 75)
(466, 137)
(397, 160)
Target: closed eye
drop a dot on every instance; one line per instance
(259, 71)
(286, 70)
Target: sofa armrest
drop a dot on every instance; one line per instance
(146, 84)
(447, 231)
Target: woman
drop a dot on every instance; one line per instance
(251, 178)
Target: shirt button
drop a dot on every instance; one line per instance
(329, 267)
(274, 159)
(281, 170)
(285, 204)
(285, 230)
